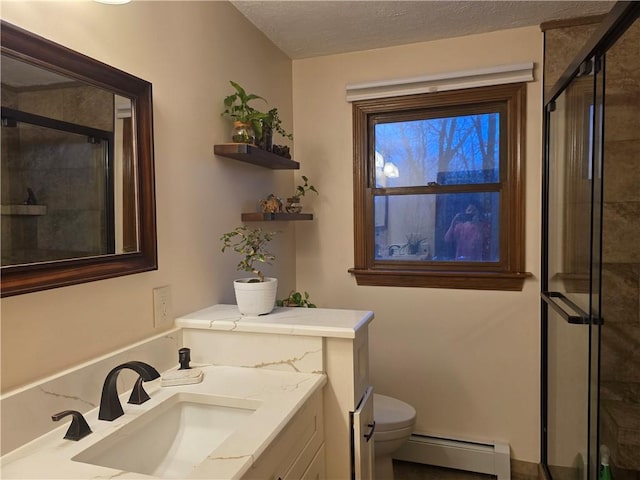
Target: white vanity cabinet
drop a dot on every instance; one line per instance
(304, 369)
(296, 451)
(307, 340)
(237, 423)
(347, 369)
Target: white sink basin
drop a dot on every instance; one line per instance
(173, 437)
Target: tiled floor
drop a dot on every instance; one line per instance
(416, 471)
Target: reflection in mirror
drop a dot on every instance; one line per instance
(77, 167)
(66, 149)
(454, 227)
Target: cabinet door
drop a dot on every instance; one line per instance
(288, 456)
(364, 427)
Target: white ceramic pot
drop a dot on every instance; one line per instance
(255, 298)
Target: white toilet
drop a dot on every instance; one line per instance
(395, 420)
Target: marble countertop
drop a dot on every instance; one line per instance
(319, 322)
(281, 395)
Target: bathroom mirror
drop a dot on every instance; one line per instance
(77, 196)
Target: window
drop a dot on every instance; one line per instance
(438, 189)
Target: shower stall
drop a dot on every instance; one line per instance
(591, 256)
(57, 189)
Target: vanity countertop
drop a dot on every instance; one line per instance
(281, 395)
(315, 322)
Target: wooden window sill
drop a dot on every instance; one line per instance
(507, 281)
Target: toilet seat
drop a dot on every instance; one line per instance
(392, 414)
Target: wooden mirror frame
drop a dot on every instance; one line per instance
(20, 279)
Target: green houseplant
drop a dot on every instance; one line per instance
(251, 125)
(293, 204)
(247, 120)
(255, 295)
(251, 244)
(296, 299)
(272, 123)
(275, 123)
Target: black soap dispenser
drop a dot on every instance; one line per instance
(184, 358)
(184, 375)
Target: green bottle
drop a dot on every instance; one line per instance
(605, 469)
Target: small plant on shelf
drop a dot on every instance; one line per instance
(253, 126)
(247, 120)
(296, 299)
(251, 244)
(271, 124)
(293, 203)
(275, 123)
(302, 189)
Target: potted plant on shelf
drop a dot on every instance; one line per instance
(255, 295)
(293, 204)
(247, 126)
(271, 124)
(296, 299)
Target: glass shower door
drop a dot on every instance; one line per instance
(571, 272)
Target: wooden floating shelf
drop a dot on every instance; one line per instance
(266, 217)
(254, 155)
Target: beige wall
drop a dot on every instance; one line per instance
(467, 360)
(189, 51)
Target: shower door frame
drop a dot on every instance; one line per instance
(94, 135)
(621, 17)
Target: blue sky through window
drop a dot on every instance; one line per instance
(439, 149)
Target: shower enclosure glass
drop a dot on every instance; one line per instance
(572, 307)
(57, 190)
(591, 258)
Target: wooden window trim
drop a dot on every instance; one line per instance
(508, 274)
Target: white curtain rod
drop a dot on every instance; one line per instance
(498, 75)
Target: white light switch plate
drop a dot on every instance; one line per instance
(162, 315)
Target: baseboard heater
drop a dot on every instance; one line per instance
(489, 458)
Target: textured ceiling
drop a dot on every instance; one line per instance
(313, 28)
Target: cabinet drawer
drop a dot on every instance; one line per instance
(307, 457)
(317, 469)
(294, 448)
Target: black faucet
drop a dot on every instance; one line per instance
(110, 407)
(79, 427)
